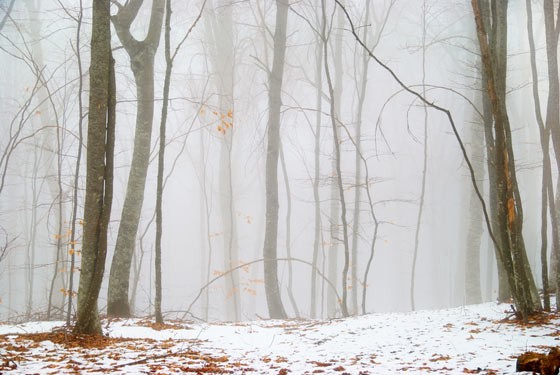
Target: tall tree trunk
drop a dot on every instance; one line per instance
(337, 172)
(204, 219)
(272, 289)
(333, 254)
(473, 244)
(424, 167)
(51, 161)
(220, 33)
(290, 287)
(74, 218)
(504, 293)
(31, 236)
(546, 172)
(511, 250)
(142, 64)
(317, 230)
(473, 291)
(552, 28)
(99, 180)
(361, 87)
(161, 161)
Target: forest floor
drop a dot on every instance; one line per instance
(477, 339)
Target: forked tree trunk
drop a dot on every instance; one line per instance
(142, 64)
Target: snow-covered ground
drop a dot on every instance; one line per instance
(470, 339)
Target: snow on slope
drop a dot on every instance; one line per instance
(471, 339)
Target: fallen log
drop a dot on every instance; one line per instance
(539, 363)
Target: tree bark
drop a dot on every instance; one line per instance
(99, 180)
(333, 254)
(77, 171)
(546, 172)
(161, 162)
(220, 34)
(473, 291)
(361, 88)
(552, 28)
(272, 289)
(318, 230)
(142, 64)
(337, 172)
(509, 209)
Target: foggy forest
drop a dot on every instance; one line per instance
(230, 161)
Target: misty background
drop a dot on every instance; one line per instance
(214, 197)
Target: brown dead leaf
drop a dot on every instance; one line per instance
(321, 364)
(468, 371)
(439, 357)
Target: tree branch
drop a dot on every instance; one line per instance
(437, 108)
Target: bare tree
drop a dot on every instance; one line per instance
(99, 180)
(141, 55)
(317, 231)
(424, 164)
(333, 87)
(547, 188)
(552, 121)
(74, 220)
(270, 251)
(525, 302)
(220, 33)
(509, 210)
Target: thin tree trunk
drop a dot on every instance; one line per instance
(424, 167)
(546, 173)
(272, 289)
(32, 238)
(289, 232)
(220, 34)
(99, 180)
(72, 249)
(335, 207)
(51, 164)
(204, 221)
(317, 231)
(552, 29)
(361, 92)
(161, 161)
(337, 170)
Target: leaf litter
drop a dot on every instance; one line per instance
(465, 340)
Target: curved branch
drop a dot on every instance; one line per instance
(437, 108)
(259, 261)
